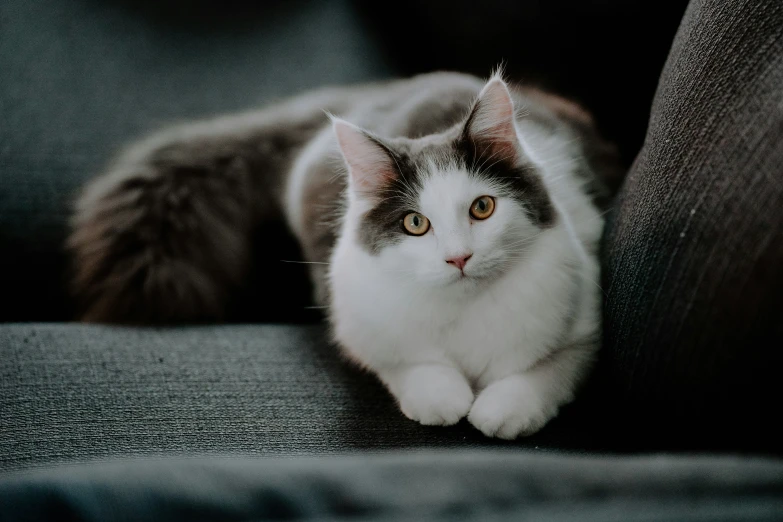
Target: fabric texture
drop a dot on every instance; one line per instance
(72, 393)
(485, 486)
(693, 253)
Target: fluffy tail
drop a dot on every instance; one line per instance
(165, 235)
(164, 239)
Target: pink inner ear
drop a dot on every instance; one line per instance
(369, 164)
(492, 122)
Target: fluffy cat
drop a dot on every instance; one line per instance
(461, 268)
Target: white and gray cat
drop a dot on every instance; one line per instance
(452, 229)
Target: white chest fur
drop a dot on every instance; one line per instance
(488, 330)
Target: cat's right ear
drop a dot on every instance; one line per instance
(490, 126)
(369, 162)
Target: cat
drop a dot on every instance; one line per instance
(451, 228)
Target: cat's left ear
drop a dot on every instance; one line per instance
(369, 162)
(490, 126)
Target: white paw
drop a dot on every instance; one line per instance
(435, 395)
(510, 408)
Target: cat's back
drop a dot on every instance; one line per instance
(422, 105)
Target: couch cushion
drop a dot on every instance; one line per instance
(71, 393)
(693, 257)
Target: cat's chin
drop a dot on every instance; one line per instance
(469, 281)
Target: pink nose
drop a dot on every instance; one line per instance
(459, 261)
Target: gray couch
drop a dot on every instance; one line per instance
(692, 254)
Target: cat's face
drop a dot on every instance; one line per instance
(452, 210)
(473, 230)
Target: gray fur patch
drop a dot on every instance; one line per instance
(382, 225)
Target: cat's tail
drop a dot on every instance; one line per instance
(165, 235)
(161, 238)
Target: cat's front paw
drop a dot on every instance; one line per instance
(510, 408)
(434, 395)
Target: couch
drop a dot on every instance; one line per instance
(692, 253)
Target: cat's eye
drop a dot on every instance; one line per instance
(415, 224)
(482, 207)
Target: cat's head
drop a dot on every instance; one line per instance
(449, 209)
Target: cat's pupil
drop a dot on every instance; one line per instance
(415, 221)
(482, 206)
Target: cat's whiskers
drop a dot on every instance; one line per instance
(482, 167)
(491, 156)
(585, 277)
(525, 240)
(498, 160)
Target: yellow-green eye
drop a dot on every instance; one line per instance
(415, 224)
(482, 207)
